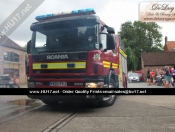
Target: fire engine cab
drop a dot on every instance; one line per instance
(73, 49)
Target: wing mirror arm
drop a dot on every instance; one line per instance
(28, 47)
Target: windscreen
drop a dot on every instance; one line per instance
(133, 74)
(5, 78)
(66, 38)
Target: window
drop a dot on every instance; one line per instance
(10, 56)
(123, 64)
(103, 40)
(65, 37)
(104, 29)
(115, 50)
(134, 74)
(126, 66)
(40, 39)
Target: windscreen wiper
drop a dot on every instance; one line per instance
(48, 52)
(76, 50)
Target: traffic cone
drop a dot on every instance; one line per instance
(167, 84)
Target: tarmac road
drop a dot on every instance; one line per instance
(129, 113)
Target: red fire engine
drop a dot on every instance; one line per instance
(74, 50)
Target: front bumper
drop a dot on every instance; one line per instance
(66, 83)
(69, 98)
(134, 80)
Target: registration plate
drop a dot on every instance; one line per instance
(58, 83)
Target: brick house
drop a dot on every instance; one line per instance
(12, 60)
(169, 45)
(155, 60)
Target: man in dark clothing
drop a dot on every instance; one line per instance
(173, 75)
(167, 74)
(148, 77)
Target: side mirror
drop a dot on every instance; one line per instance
(111, 30)
(110, 42)
(100, 46)
(28, 47)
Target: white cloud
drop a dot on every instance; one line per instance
(22, 43)
(112, 12)
(118, 12)
(168, 29)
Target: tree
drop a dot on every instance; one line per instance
(140, 37)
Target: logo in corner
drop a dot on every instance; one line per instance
(96, 57)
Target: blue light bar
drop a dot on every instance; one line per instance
(75, 11)
(83, 10)
(57, 14)
(65, 14)
(49, 15)
(40, 17)
(43, 16)
(69, 12)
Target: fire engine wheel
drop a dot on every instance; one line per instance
(50, 102)
(109, 100)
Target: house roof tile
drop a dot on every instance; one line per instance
(7, 42)
(158, 58)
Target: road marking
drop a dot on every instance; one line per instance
(61, 122)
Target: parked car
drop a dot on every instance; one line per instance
(140, 74)
(133, 77)
(6, 82)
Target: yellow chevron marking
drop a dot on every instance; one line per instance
(122, 52)
(106, 64)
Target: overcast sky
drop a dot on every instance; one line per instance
(112, 12)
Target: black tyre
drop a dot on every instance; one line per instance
(126, 83)
(109, 100)
(50, 102)
(117, 85)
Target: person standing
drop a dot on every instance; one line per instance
(173, 75)
(148, 77)
(167, 74)
(159, 72)
(152, 76)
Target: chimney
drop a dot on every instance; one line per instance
(166, 39)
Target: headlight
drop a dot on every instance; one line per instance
(94, 85)
(31, 85)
